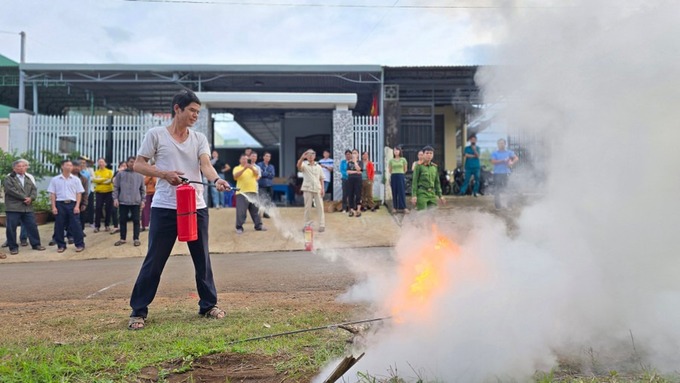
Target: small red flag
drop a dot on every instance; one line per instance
(374, 106)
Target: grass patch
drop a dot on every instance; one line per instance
(82, 348)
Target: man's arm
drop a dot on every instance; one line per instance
(414, 181)
(437, 184)
(142, 191)
(53, 202)
(300, 161)
(116, 186)
(240, 172)
(209, 172)
(77, 204)
(513, 159)
(143, 167)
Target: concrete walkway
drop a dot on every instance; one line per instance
(372, 229)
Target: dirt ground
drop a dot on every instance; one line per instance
(255, 268)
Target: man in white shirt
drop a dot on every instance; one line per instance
(65, 193)
(179, 153)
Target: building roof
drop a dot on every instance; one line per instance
(4, 111)
(6, 62)
(150, 87)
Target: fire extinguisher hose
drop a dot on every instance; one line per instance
(186, 182)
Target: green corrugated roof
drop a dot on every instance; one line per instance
(4, 111)
(5, 62)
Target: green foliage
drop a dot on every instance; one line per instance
(37, 169)
(53, 160)
(42, 203)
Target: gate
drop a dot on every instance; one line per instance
(368, 137)
(87, 135)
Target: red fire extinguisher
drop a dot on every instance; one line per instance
(309, 238)
(187, 221)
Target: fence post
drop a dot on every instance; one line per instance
(109, 139)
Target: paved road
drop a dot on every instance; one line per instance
(114, 278)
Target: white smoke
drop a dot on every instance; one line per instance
(593, 269)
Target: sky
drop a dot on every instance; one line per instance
(380, 32)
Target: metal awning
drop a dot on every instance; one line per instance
(134, 89)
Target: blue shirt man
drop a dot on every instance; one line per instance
(502, 160)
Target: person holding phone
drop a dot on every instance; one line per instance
(246, 176)
(354, 169)
(472, 166)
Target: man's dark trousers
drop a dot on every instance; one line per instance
(28, 225)
(162, 236)
(133, 210)
(67, 218)
(104, 208)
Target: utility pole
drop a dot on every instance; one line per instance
(22, 87)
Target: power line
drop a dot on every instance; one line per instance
(319, 5)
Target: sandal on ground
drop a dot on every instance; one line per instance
(351, 213)
(137, 243)
(215, 313)
(114, 231)
(136, 323)
(358, 214)
(118, 243)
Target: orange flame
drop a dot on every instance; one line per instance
(422, 277)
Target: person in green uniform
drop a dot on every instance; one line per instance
(426, 189)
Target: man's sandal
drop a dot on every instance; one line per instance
(215, 313)
(136, 323)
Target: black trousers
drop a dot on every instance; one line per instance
(28, 225)
(162, 236)
(133, 212)
(345, 195)
(104, 208)
(89, 213)
(66, 218)
(354, 190)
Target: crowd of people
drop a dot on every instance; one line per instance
(81, 195)
(143, 190)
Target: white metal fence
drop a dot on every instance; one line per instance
(368, 137)
(87, 135)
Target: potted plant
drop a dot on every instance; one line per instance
(42, 206)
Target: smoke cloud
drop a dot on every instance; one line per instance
(591, 274)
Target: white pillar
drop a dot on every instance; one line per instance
(18, 130)
(343, 138)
